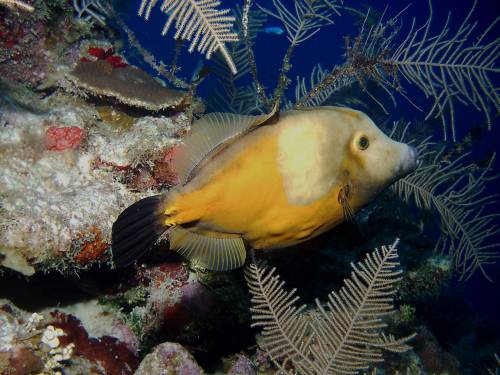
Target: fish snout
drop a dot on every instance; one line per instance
(409, 161)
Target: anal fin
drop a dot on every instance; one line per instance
(214, 253)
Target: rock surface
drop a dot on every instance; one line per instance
(169, 358)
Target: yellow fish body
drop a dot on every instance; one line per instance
(246, 182)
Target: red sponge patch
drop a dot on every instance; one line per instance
(64, 138)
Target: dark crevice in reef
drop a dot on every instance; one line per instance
(45, 290)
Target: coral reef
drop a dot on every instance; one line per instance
(169, 358)
(241, 365)
(427, 280)
(70, 165)
(57, 168)
(434, 359)
(63, 138)
(165, 289)
(31, 46)
(106, 352)
(85, 133)
(52, 341)
(28, 343)
(168, 300)
(61, 160)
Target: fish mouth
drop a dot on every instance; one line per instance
(409, 162)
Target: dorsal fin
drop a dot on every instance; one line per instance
(214, 253)
(345, 110)
(211, 134)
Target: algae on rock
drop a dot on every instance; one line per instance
(52, 201)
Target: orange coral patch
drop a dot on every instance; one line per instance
(92, 248)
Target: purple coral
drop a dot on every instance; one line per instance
(242, 366)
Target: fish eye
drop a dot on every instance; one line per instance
(363, 142)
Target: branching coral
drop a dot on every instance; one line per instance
(233, 98)
(307, 19)
(89, 10)
(200, 22)
(318, 74)
(343, 335)
(449, 67)
(454, 191)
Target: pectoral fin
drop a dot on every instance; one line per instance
(214, 253)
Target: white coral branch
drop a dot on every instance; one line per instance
(454, 191)
(90, 9)
(198, 21)
(450, 68)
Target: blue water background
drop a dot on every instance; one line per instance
(327, 48)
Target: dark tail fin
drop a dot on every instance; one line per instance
(136, 229)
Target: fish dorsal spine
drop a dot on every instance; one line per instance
(211, 134)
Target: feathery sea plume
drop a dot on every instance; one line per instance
(198, 21)
(454, 191)
(301, 24)
(451, 68)
(88, 10)
(343, 335)
(235, 98)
